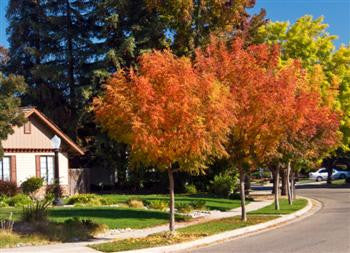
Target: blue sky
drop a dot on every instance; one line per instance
(336, 13)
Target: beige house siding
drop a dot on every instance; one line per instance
(26, 168)
(40, 136)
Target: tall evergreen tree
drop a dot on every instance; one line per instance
(50, 45)
(11, 87)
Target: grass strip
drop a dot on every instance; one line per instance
(285, 208)
(184, 234)
(10, 239)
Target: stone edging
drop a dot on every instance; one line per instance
(227, 235)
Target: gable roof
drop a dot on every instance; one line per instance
(28, 111)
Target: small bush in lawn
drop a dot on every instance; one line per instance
(135, 203)
(183, 207)
(32, 184)
(198, 204)
(8, 188)
(19, 200)
(83, 228)
(85, 199)
(237, 196)
(3, 201)
(71, 230)
(224, 184)
(54, 189)
(190, 189)
(158, 204)
(37, 210)
(107, 202)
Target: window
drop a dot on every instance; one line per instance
(27, 128)
(5, 169)
(47, 169)
(323, 171)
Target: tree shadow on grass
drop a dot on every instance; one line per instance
(110, 213)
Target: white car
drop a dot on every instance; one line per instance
(322, 174)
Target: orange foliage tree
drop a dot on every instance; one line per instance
(172, 117)
(312, 131)
(262, 92)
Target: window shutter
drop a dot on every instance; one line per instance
(13, 169)
(37, 166)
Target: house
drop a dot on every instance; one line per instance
(29, 151)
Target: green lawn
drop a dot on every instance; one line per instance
(183, 234)
(339, 182)
(222, 225)
(111, 216)
(118, 217)
(212, 202)
(201, 230)
(285, 208)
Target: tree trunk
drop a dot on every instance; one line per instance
(247, 184)
(273, 182)
(329, 177)
(70, 58)
(289, 186)
(172, 201)
(276, 186)
(284, 189)
(242, 191)
(293, 185)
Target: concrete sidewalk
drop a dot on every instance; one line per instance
(82, 246)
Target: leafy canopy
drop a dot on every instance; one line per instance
(167, 112)
(260, 90)
(308, 41)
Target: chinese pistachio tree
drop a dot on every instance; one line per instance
(311, 131)
(172, 117)
(308, 41)
(260, 90)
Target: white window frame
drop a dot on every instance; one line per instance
(2, 174)
(48, 176)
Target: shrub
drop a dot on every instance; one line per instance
(182, 218)
(3, 201)
(135, 203)
(190, 189)
(237, 196)
(198, 204)
(224, 184)
(83, 227)
(8, 188)
(183, 207)
(37, 210)
(54, 189)
(32, 184)
(85, 199)
(158, 204)
(19, 200)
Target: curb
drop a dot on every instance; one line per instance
(231, 234)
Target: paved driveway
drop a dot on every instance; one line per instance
(327, 231)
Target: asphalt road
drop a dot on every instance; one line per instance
(327, 231)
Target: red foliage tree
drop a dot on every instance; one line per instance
(263, 93)
(172, 117)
